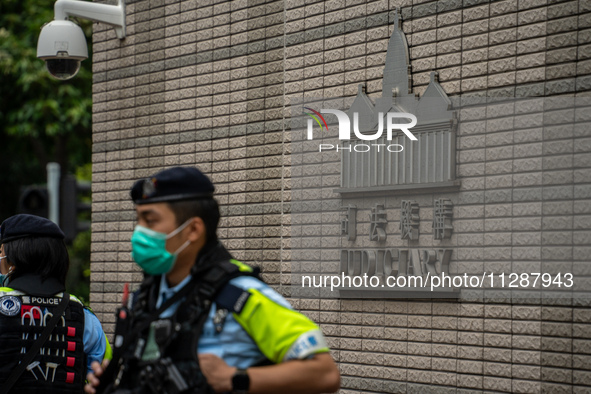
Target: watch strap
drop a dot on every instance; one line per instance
(240, 382)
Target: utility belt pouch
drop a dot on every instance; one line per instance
(162, 377)
(163, 333)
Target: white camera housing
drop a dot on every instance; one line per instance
(62, 44)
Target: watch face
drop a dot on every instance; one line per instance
(240, 381)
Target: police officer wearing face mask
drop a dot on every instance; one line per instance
(203, 322)
(33, 263)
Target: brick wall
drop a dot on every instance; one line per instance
(210, 84)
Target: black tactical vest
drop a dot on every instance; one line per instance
(176, 368)
(60, 365)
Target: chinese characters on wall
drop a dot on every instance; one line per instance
(383, 261)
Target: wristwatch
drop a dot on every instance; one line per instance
(240, 382)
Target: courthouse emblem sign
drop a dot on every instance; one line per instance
(424, 158)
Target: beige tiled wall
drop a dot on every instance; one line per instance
(210, 84)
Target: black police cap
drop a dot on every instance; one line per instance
(173, 184)
(23, 225)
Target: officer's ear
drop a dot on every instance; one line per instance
(197, 229)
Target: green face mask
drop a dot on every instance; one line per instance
(148, 249)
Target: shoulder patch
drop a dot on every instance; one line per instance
(232, 298)
(10, 306)
(306, 345)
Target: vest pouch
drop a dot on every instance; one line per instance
(59, 367)
(160, 335)
(162, 376)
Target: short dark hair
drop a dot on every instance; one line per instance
(45, 256)
(206, 209)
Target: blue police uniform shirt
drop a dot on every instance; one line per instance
(95, 343)
(232, 344)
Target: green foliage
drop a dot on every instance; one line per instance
(84, 172)
(41, 119)
(78, 279)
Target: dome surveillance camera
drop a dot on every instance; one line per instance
(62, 45)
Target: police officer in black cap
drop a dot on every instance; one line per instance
(203, 322)
(34, 265)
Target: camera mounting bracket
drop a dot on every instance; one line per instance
(113, 15)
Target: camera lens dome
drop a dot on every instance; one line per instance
(63, 68)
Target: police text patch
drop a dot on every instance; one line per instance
(41, 300)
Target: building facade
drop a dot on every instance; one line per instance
(498, 182)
